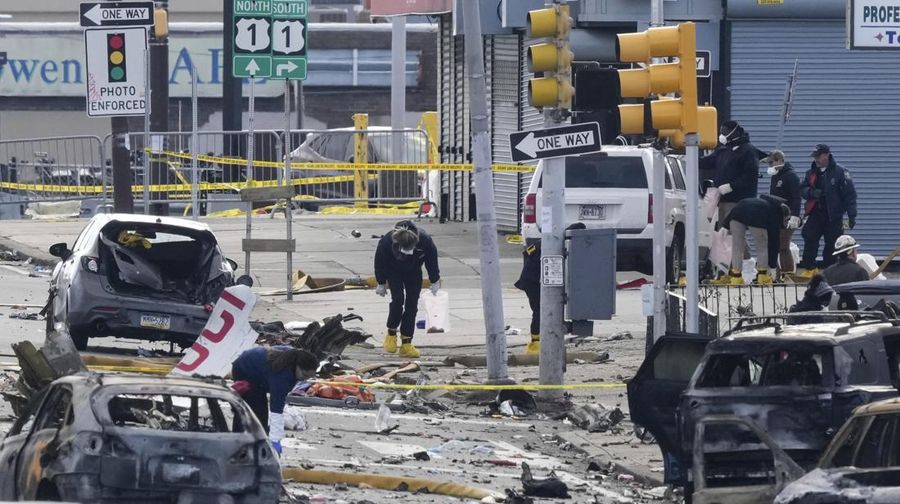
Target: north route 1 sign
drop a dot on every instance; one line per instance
(270, 38)
(116, 63)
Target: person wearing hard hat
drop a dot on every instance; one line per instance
(845, 270)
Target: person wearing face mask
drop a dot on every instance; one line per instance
(398, 263)
(734, 166)
(829, 193)
(785, 184)
(275, 371)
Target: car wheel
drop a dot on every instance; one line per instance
(47, 492)
(675, 259)
(79, 338)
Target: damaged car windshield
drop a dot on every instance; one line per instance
(772, 368)
(175, 413)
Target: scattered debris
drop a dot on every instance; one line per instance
(595, 417)
(551, 486)
(25, 316)
(355, 233)
(384, 424)
(477, 361)
(622, 335)
(422, 455)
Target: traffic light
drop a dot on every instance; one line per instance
(678, 113)
(707, 124)
(553, 58)
(160, 23)
(115, 57)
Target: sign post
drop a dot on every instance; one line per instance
(270, 38)
(115, 71)
(116, 14)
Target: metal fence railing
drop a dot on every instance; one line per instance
(55, 169)
(209, 168)
(721, 306)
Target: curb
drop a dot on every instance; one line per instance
(38, 257)
(578, 440)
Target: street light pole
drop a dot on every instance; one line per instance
(491, 294)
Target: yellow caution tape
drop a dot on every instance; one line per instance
(347, 166)
(515, 239)
(449, 386)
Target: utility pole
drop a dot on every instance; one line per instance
(657, 18)
(553, 92)
(159, 103)
(491, 294)
(123, 200)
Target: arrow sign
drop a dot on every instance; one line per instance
(285, 67)
(116, 14)
(555, 142)
(252, 68)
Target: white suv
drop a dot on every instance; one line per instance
(610, 189)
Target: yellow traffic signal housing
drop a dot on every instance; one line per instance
(160, 23)
(681, 77)
(707, 118)
(553, 58)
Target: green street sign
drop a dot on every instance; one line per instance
(270, 38)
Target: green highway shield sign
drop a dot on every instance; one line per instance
(270, 38)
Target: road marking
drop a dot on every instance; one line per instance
(392, 449)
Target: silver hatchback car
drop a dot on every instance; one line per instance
(138, 276)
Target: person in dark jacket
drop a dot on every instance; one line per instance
(398, 264)
(765, 216)
(829, 193)
(785, 184)
(734, 167)
(530, 282)
(845, 270)
(273, 371)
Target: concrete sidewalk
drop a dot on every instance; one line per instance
(326, 248)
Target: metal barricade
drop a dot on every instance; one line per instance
(162, 166)
(725, 304)
(52, 170)
(390, 183)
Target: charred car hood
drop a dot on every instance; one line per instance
(845, 485)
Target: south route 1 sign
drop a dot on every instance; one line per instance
(270, 38)
(564, 141)
(115, 71)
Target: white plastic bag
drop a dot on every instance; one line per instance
(795, 253)
(294, 419)
(437, 311)
(711, 204)
(720, 249)
(867, 261)
(748, 270)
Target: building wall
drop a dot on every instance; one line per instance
(38, 110)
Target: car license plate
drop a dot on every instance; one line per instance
(162, 322)
(597, 212)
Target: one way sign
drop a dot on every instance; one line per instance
(555, 142)
(116, 14)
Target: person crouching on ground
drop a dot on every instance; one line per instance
(398, 264)
(765, 216)
(274, 371)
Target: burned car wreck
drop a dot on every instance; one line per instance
(797, 383)
(860, 466)
(135, 438)
(138, 276)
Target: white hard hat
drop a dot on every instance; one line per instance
(844, 243)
